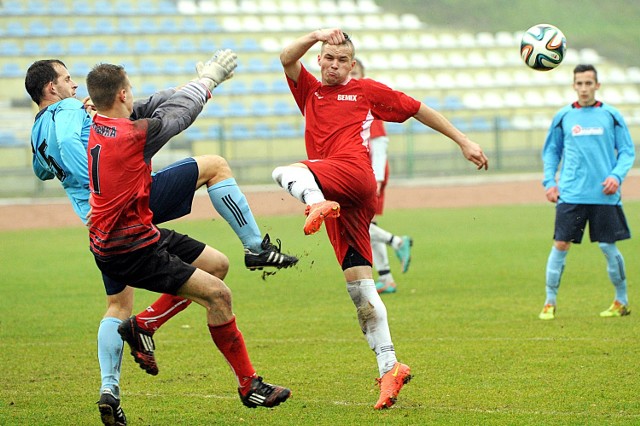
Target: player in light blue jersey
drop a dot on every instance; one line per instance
(590, 144)
(59, 141)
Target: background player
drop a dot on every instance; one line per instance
(592, 141)
(381, 238)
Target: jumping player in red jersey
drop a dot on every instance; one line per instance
(381, 238)
(127, 246)
(336, 182)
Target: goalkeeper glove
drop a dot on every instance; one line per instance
(217, 69)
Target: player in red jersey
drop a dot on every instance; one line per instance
(381, 238)
(336, 182)
(127, 246)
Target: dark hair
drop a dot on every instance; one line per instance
(585, 68)
(104, 82)
(39, 74)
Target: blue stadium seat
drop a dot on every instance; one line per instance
(11, 70)
(8, 138)
(148, 88)
(260, 108)
(165, 45)
(452, 102)
(214, 132)
(16, 29)
(237, 109)
(55, 48)
(167, 7)
(240, 131)
(38, 29)
(262, 131)
(149, 67)
(194, 133)
(259, 86)
(13, 7)
(285, 130)
(250, 45)
(279, 85)
(142, 47)
(480, 124)
(214, 110)
(122, 47)
(77, 46)
(256, 65)
(11, 48)
(106, 7)
(281, 107)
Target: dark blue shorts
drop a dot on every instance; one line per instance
(162, 267)
(173, 189)
(172, 192)
(607, 223)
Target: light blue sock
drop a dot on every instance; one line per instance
(555, 266)
(616, 270)
(110, 346)
(232, 205)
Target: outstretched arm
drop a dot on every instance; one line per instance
(291, 54)
(439, 123)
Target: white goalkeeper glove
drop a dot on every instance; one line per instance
(217, 69)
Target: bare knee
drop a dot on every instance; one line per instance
(562, 245)
(212, 169)
(213, 262)
(120, 305)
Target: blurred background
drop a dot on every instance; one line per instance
(458, 56)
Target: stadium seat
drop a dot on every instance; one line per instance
(281, 107)
(237, 109)
(260, 108)
(16, 29)
(11, 48)
(11, 70)
(259, 86)
(240, 131)
(480, 124)
(77, 46)
(285, 130)
(262, 131)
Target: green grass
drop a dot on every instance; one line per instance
(464, 318)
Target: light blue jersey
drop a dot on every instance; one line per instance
(592, 143)
(59, 143)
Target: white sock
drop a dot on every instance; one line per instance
(380, 256)
(299, 182)
(372, 315)
(378, 234)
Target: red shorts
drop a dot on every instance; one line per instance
(380, 204)
(352, 184)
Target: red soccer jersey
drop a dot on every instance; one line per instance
(338, 118)
(377, 129)
(121, 220)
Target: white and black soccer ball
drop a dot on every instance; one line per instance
(543, 47)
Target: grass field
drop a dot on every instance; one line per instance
(464, 318)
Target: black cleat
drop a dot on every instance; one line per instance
(270, 256)
(110, 410)
(261, 394)
(141, 344)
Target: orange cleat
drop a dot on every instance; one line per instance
(391, 383)
(317, 213)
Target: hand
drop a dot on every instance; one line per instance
(89, 106)
(333, 36)
(217, 69)
(610, 186)
(473, 153)
(552, 194)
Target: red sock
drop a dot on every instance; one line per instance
(161, 311)
(230, 343)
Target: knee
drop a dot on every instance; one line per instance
(213, 168)
(218, 297)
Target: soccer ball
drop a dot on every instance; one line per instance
(543, 47)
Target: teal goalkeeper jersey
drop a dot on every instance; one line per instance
(59, 139)
(588, 144)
